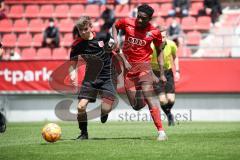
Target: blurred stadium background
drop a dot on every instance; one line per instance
(209, 59)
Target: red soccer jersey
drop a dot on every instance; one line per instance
(137, 44)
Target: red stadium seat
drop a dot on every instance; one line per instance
(76, 11)
(195, 7)
(160, 21)
(170, 19)
(193, 38)
(92, 10)
(188, 23)
(9, 40)
(122, 11)
(32, 11)
(59, 54)
(28, 54)
(156, 8)
(6, 25)
(103, 7)
(110, 1)
(165, 8)
(66, 25)
(20, 25)
(36, 25)
(61, 11)
(37, 40)
(24, 40)
(46, 11)
(44, 54)
(67, 40)
(16, 11)
(203, 23)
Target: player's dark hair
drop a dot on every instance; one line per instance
(1, 45)
(51, 20)
(146, 9)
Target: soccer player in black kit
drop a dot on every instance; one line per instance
(98, 78)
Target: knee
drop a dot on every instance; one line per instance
(105, 109)
(81, 107)
(171, 100)
(163, 100)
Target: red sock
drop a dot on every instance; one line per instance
(155, 113)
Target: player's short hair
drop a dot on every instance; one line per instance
(1, 45)
(146, 9)
(51, 20)
(83, 21)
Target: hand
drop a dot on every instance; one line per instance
(155, 78)
(177, 76)
(73, 78)
(163, 78)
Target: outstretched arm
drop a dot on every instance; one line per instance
(160, 61)
(120, 55)
(73, 71)
(177, 70)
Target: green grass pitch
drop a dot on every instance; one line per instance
(125, 141)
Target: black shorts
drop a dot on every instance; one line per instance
(169, 87)
(105, 88)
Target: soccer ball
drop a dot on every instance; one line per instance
(51, 132)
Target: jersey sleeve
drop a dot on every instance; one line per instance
(75, 49)
(157, 38)
(73, 54)
(120, 24)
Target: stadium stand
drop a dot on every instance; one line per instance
(24, 40)
(16, 11)
(36, 26)
(44, 54)
(6, 25)
(37, 40)
(32, 11)
(28, 54)
(27, 19)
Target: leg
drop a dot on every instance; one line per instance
(169, 105)
(163, 101)
(106, 108)
(154, 110)
(2, 123)
(82, 118)
(134, 94)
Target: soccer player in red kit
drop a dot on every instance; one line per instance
(138, 76)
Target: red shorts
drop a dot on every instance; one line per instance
(138, 74)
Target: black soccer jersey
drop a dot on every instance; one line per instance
(97, 60)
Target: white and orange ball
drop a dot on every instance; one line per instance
(51, 132)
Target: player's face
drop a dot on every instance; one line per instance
(85, 32)
(142, 19)
(1, 51)
(164, 35)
